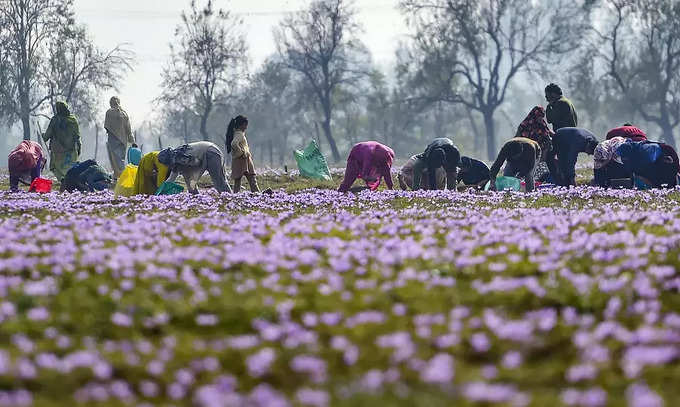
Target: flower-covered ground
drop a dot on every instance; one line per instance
(315, 298)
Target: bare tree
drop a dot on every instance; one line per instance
(320, 44)
(207, 62)
(28, 26)
(471, 51)
(77, 71)
(640, 50)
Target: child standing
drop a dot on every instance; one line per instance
(241, 159)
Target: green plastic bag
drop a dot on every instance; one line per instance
(505, 183)
(312, 163)
(169, 188)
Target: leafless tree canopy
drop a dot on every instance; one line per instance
(638, 46)
(77, 71)
(46, 56)
(469, 52)
(207, 63)
(321, 45)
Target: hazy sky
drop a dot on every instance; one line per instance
(148, 26)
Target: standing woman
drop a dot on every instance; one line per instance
(63, 134)
(369, 161)
(241, 159)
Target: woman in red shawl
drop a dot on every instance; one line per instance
(627, 131)
(369, 161)
(534, 127)
(25, 163)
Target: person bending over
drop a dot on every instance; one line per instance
(369, 161)
(406, 175)
(440, 153)
(473, 172)
(151, 173)
(25, 164)
(567, 144)
(192, 161)
(521, 155)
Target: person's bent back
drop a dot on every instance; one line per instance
(25, 164)
(521, 155)
(151, 173)
(192, 161)
(369, 161)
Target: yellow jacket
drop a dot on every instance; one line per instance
(150, 174)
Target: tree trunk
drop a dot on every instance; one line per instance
(475, 132)
(318, 135)
(490, 127)
(96, 141)
(271, 152)
(186, 129)
(326, 125)
(204, 123)
(667, 134)
(26, 123)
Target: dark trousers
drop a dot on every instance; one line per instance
(216, 171)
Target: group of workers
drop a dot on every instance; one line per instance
(536, 153)
(626, 154)
(191, 160)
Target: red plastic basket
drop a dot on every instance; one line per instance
(41, 185)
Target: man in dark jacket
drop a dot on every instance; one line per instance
(440, 153)
(567, 144)
(560, 112)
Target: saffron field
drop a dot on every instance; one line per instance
(314, 298)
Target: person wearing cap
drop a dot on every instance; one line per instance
(63, 136)
(560, 111)
(117, 125)
(192, 161)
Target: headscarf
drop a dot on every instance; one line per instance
(606, 151)
(115, 102)
(534, 126)
(167, 157)
(62, 109)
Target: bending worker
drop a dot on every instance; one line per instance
(25, 163)
(567, 144)
(521, 155)
(441, 153)
(151, 173)
(192, 161)
(369, 161)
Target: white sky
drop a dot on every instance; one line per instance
(148, 27)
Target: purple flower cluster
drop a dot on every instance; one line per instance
(564, 296)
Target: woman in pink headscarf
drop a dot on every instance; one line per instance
(369, 161)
